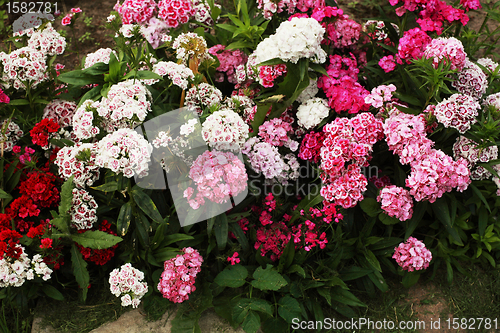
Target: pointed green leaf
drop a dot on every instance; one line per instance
(289, 308)
(268, 279)
(146, 204)
(221, 230)
(66, 196)
(80, 270)
(232, 276)
(124, 218)
(96, 239)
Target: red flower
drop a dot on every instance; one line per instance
(39, 186)
(40, 133)
(46, 243)
(67, 19)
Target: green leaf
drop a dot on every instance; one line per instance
(146, 204)
(114, 67)
(107, 187)
(410, 279)
(287, 256)
(370, 206)
(272, 62)
(79, 78)
(289, 308)
(97, 69)
(440, 208)
(346, 297)
(232, 276)
(388, 220)
(165, 253)
(61, 223)
(353, 273)
(480, 195)
(297, 269)
(418, 214)
(268, 279)
(96, 239)
(483, 220)
(221, 230)
(92, 94)
(5, 195)
(372, 259)
(66, 196)
(174, 238)
(260, 116)
(19, 102)
(124, 218)
(227, 27)
(251, 324)
(246, 304)
(52, 292)
(80, 270)
(318, 68)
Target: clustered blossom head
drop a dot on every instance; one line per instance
(203, 13)
(28, 22)
(458, 111)
(126, 105)
(202, 95)
(124, 151)
(78, 161)
(267, 74)
(345, 33)
(493, 100)
(471, 80)
(412, 45)
(83, 210)
(412, 255)
(272, 7)
(60, 111)
(126, 283)
(229, 60)
(10, 133)
(15, 271)
(43, 131)
(41, 188)
(490, 65)
(84, 126)
(377, 31)
(312, 112)
(217, 175)
(175, 12)
(179, 275)
(466, 148)
(436, 174)
(191, 46)
(446, 49)
(379, 95)
(48, 41)
(293, 40)
(396, 202)
(23, 65)
(310, 146)
(225, 129)
(243, 105)
(387, 63)
(101, 55)
(155, 32)
(179, 74)
(341, 86)
(275, 132)
(273, 239)
(310, 92)
(135, 11)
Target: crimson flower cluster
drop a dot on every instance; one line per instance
(41, 133)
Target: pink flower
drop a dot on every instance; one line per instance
(412, 255)
(234, 259)
(67, 19)
(76, 10)
(387, 63)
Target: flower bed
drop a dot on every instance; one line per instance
(261, 162)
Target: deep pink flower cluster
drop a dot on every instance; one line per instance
(471, 4)
(380, 182)
(267, 74)
(432, 13)
(179, 275)
(412, 45)
(229, 60)
(347, 188)
(471, 80)
(341, 87)
(275, 132)
(435, 174)
(387, 63)
(346, 32)
(273, 239)
(396, 202)
(310, 148)
(457, 111)
(136, 11)
(412, 255)
(175, 12)
(217, 175)
(446, 49)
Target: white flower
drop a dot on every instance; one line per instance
(312, 112)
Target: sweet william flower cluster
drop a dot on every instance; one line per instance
(127, 284)
(179, 275)
(412, 255)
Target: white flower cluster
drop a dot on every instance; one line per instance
(493, 99)
(488, 63)
(224, 129)
(471, 80)
(15, 272)
(203, 12)
(60, 111)
(190, 45)
(78, 161)
(126, 105)
(457, 111)
(126, 283)
(188, 127)
(175, 146)
(83, 120)
(21, 65)
(466, 148)
(177, 73)
(124, 151)
(203, 95)
(10, 133)
(293, 40)
(127, 30)
(101, 55)
(83, 210)
(312, 112)
(27, 23)
(308, 93)
(48, 41)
